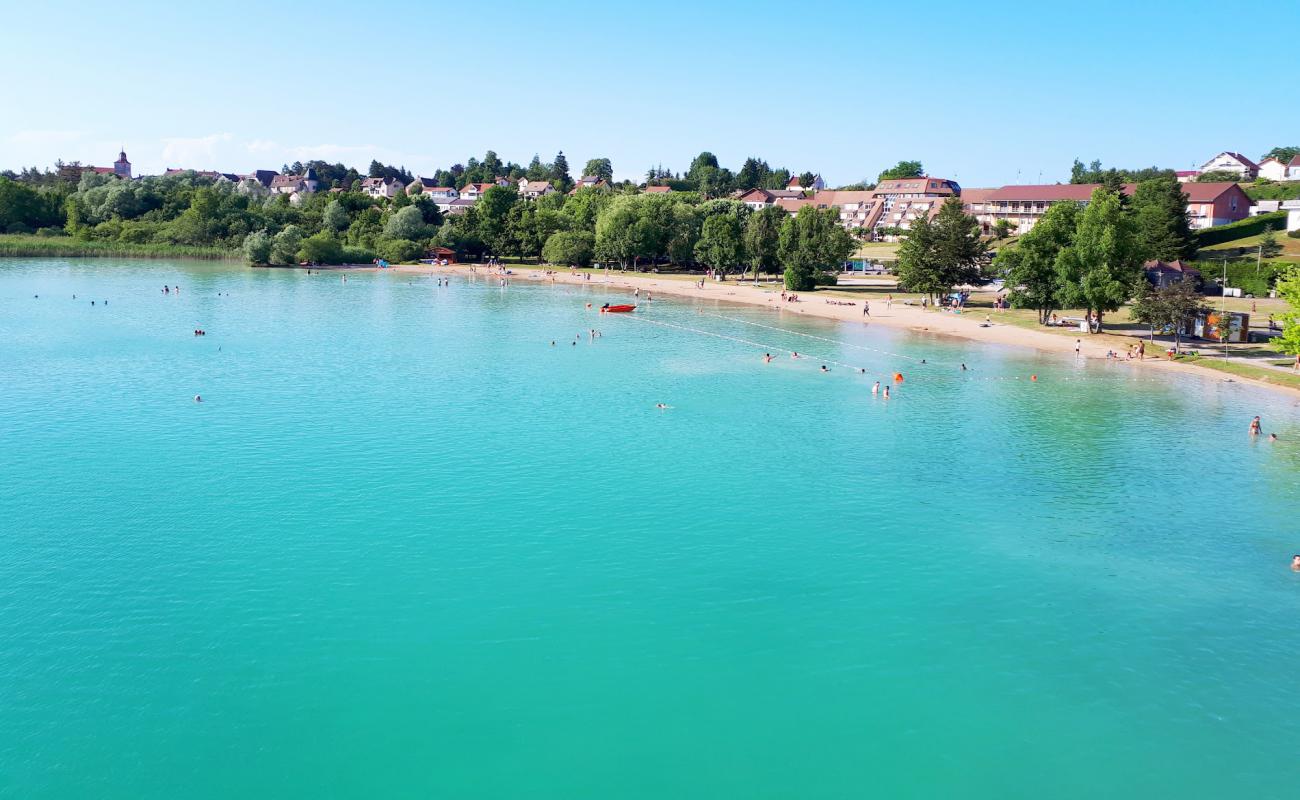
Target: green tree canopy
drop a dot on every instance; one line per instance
(812, 246)
(1029, 266)
(1102, 269)
(1162, 230)
(601, 168)
(571, 248)
(1283, 154)
(721, 244)
(903, 169)
(940, 254)
(762, 238)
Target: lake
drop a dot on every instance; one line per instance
(406, 547)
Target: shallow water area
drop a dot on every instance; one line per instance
(423, 540)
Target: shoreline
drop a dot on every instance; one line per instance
(900, 316)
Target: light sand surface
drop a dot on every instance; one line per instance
(914, 318)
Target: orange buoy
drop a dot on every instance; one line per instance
(898, 377)
(1033, 377)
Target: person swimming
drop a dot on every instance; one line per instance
(767, 358)
(198, 398)
(824, 369)
(1295, 562)
(794, 354)
(662, 406)
(875, 389)
(963, 367)
(1272, 437)
(886, 394)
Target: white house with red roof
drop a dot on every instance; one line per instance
(1276, 170)
(382, 187)
(531, 190)
(473, 191)
(1232, 162)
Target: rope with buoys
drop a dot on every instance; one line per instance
(822, 338)
(750, 342)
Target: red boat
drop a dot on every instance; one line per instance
(617, 309)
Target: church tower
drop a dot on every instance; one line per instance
(122, 167)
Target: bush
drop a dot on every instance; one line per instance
(284, 247)
(1252, 279)
(399, 251)
(1295, 234)
(17, 227)
(257, 248)
(1240, 230)
(321, 248)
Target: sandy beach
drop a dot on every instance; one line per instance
(909, 317)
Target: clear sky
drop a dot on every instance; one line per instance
(984, 93)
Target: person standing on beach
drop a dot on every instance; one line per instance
(866, 308)
(1142, 349)
(1078, 343)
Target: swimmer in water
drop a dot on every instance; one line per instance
(1272, 437)
(824, 368)
(793, 354)
(963, 367)
(198, 398)
(875, 389)
(662, 406)
(1295, 563)
(1255, 427)
(767, 358)
(886, 395)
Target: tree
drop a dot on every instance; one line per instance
(257, 248)
(752, 173)
(560, 173)
(721, 245)
(1269, 247)
(1029, 266)
(398, 251)
(938, 255)
(1288, 288)
(1169, 306)
(408, 223)
(601, 168)
(763, 238)
(812, 244)
(806, 179)
(573, 248)
(493, 217)
(1003, 228)
(1162, 230)
(1283, 154)
(903, 169)
(335, 217)
(704, 161)
(285, 245)
(1101, 269)
(537, 171)
(1094, 173)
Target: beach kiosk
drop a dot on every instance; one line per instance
(1218, 326)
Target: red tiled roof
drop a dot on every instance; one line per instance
(1050, 192)
(1187, 173)
(1242, 159)
(1200, 192)
(970, 196)
(1295, 161)
(657, 189)
(1171, 266)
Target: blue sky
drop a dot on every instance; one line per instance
(987, 94)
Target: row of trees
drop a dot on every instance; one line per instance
(1091, 257)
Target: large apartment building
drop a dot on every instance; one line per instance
(1208, 204)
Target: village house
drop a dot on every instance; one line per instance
(296, 186)
(658, 189)
(473, 191)
(1272, 169)
(531, 190)
(588, 182)
(757, 198)
(262, 176)
(817, 184)
(1232, 162)
(457, 206)
(1187, 175)
(1164, 273)
(381, 187)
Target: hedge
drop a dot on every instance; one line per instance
(1240, 230)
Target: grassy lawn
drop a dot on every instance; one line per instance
(1248, 248)
(1245, 370)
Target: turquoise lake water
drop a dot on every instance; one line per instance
(407, 548)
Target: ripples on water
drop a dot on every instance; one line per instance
(407, 547)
